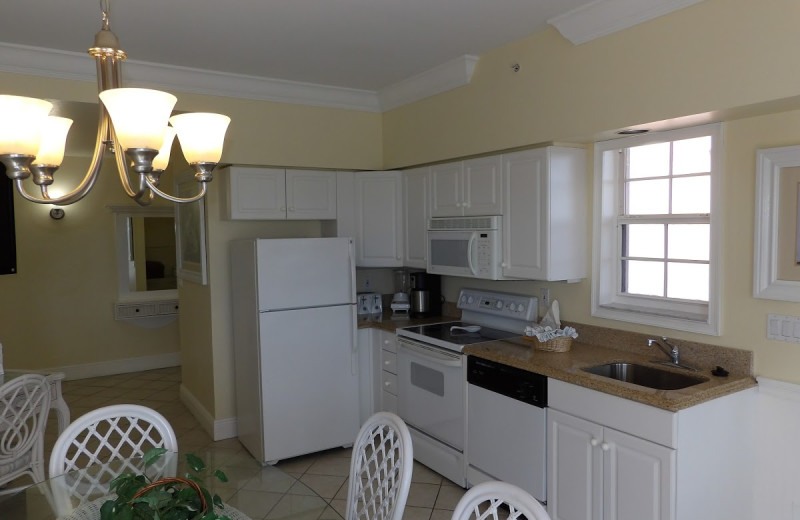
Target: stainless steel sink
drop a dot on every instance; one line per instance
(649, 377)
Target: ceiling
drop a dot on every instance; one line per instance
(357, 44)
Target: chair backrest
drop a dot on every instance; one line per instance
(116, 432)
(24, 405)
(380, 469)
(482, 502)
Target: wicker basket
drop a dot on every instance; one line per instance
(560, 344)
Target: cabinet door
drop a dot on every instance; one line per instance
(310, 195)
(638, 478)
(415, 229)
(483, 181)
(447, 197)
(574, 468)
(379, 219)
(524, 222)
(256, 193)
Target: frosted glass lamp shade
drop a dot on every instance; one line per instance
(162, 159)
(139, 115)
(54, 139)
(21, 121)
(201, 135)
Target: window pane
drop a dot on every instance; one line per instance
(651, 160)
(643, 240)
(648, 197)
(692, 156)
(687, 281)
(644, 277)
(688, 241)
(691, 194)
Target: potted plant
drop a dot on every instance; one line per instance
(170, 498)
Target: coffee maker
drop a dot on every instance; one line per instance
(426, 295)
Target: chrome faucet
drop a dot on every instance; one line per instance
(667, 348)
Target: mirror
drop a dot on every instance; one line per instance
(146, 253)
(776, 269)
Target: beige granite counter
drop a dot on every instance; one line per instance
(595, 348)
(566, 366)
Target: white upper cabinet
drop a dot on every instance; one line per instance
(545, 219)
(467, 188)
(278, 194)
(415, 204)
(379, 219)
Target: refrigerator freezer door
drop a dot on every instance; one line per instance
(309, 380)
(305, 272)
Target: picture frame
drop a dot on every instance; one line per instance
(776, 272)
(190, 232)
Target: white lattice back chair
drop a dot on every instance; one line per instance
(380, 469)
(497, 500)
(24, 405)
(118, 433)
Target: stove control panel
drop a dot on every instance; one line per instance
(507, 305)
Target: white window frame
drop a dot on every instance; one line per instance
(607, 300)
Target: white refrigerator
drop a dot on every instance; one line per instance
(294, 333)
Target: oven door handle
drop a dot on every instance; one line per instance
(452, 360)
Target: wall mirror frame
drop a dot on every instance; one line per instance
(777, 224)
(123, 218)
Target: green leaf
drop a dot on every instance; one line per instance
(195, 462)
(218, 501)
(221, 476)
(153, 455)
(107, 510)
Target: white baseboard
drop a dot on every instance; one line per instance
(217, 429)
(118, 366)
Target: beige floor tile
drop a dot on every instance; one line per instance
(254, 504)
(441, 514)
(325, 486)
(422, 495)
(424, 474)
(417, 513)
(330, 466)
(449, 497)
(300, 507)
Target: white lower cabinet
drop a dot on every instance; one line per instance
(388, 349)
(611, 458)
(601, 473)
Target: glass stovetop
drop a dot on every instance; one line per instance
(440, 332)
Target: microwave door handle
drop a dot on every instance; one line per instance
(472, 253)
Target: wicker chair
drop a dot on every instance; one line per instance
(24, 405)
(380, 469)
(498, 501)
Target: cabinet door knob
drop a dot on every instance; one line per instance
(594, 442)
(283, 208)
(386, 362)
(605, 446)
(291, 208)
(386, 384)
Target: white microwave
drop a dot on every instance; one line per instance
(466, 246)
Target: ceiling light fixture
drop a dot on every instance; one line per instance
(132, 121)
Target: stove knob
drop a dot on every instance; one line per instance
(521, 307)
(499, 304)
(470, 300)
(512, 307)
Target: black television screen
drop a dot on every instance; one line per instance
(8, 243)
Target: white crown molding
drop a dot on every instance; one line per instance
(604, 17)
(447, 76)
(52, 63)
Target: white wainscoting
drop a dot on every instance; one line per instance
(777, 471)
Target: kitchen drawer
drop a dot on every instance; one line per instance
(389, 342)
(389, 402)
(389, 382)
(389, 361)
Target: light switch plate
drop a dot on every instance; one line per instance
(783, 328)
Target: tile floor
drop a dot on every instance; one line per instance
(431, 497)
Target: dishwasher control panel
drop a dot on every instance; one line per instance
(508, 381)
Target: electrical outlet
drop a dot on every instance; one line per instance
(544, 300)
(367, 282)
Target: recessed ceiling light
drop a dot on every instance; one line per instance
(633, 131)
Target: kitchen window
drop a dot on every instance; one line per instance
(656, 232)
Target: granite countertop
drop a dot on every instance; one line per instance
(566, 366)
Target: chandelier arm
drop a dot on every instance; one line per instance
(179, 200)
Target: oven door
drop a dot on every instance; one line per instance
(430, 391)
